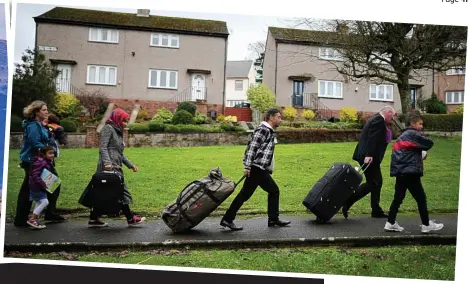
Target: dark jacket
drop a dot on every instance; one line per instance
(56, 136)
(372, 142)
(407, 153)
(35, 136)
(36, 184)
(58, 133)
(260, 149)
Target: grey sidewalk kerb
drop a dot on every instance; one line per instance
(303, 231)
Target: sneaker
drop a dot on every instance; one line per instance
(393, 228)
(35, 224)
(96, 224)
(135, 220)
(432, 227)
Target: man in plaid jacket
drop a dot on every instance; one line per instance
(259, 166)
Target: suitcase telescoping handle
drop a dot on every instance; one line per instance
(362, 169)
(236, 184)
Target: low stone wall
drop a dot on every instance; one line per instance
(76, 140)
(90, 139)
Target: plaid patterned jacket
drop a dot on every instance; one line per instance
(260, 149)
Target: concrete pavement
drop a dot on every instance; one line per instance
(356, 231)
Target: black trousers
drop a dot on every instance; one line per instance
(414, 185)
(263, 179)
(373, 185)
(23, 205)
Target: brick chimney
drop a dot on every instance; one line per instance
(143, 12)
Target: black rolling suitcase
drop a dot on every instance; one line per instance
(104, 192)
(331, 191)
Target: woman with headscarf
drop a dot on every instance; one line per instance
(111, 158)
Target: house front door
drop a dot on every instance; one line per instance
(298, 94)
(64, 80)
(198, 87)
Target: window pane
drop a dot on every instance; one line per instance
(102, 75)
(174, 41)
(322, 89)
(165, 40)
(322, 52)
(456, 97)
(381, 92)
(163, 79)
(153, 78)
(94, 34)
(338, 90)
(92, 75)
(329, 89)
(114, 36)
(112, 76)
(449, 97)
(462, 96)
(389, 91)
(373, 93)
(173, 79)
(155, 39)
(104, 35)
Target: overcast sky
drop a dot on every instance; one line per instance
(243, 29)
(2, 22)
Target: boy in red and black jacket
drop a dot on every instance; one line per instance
(407, 167)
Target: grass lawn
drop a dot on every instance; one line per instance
(423, 262)
(165, 171)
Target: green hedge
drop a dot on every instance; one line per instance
(16, 124)
(442, 122)
(319, 125)
(68, 125)
(181, 128)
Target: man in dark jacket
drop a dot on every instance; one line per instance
(369, 153)
(259, 165)
(408, 154)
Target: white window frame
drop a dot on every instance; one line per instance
(160, 37)
(335, 84)
(331, 54)
(96, 82)
(236, 85)
(378, 61)
(158, 86)
(456, 71)
(452, 102)
(377, 88)
(99, 33)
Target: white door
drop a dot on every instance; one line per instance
(64, 79)
(198, 87)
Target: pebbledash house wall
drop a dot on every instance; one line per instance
(448, 83)
(194, 52)
(286, 59)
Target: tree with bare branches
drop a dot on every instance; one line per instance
(256, 49)
(391, 52)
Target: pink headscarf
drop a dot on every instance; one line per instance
(117, 117)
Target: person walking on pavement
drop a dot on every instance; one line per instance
(370, 151)
(406, 166)
(35, 137)
(259, 166)
(112, 158)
